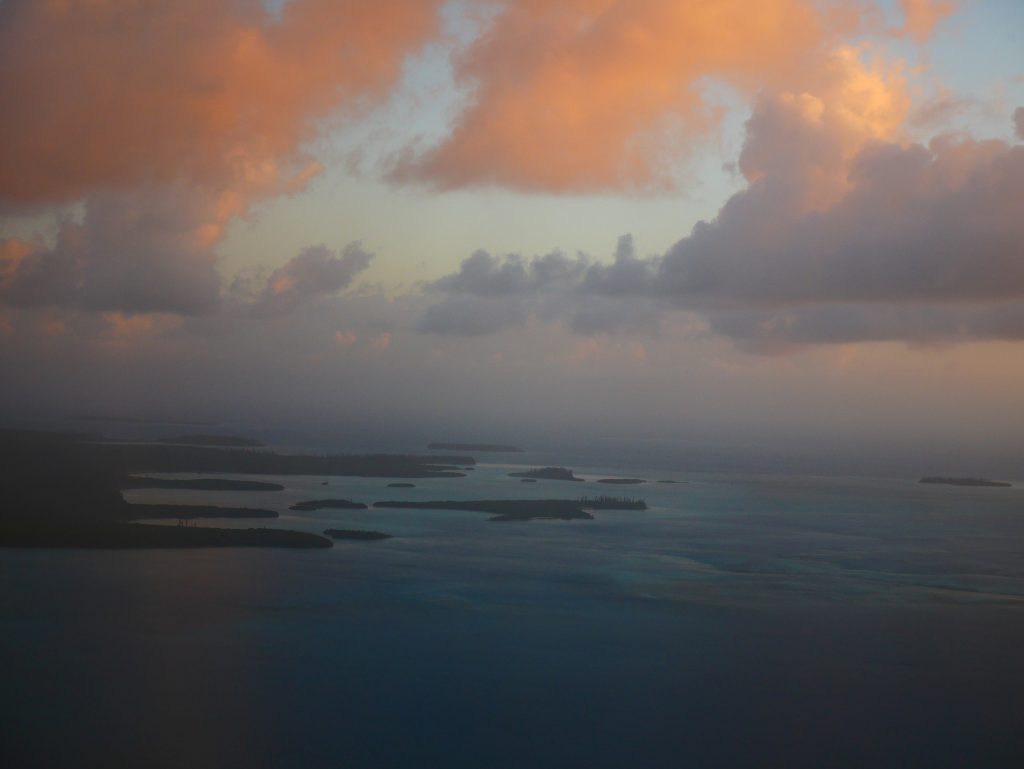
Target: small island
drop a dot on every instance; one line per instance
(964, 482)
(496, 448)
(226, 441)
(356, 534)
(670, 481)
(527, 509)
(198, 484)
(622, 481)
(141, 512)
(547, 474)
(328, 504)
(401, 485)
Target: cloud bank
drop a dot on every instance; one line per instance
(843, 234)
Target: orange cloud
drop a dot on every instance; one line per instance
(121, 92)
(12, 253)
(592, 94)
(920, 17)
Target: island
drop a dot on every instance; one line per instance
(964, 482)
(526, 509)
(401, 485)
(117, 536)
(141, 458)
(140, 512)
(622, 481)
(58, 490)
(328, 504)
(356, 534)
(230, 441)
(199, 484)
(495, 448)
(547, 474)
(670, 481)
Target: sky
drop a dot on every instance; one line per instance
(791, 223)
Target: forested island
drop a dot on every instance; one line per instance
(141, 512)
(198, 484)
(936, 479)
(328, 504)
(495, 448)
(135, 458)
(356, 534)
(547, 474)
(224, 441)
(64, 491)
(526, 509)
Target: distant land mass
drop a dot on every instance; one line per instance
(526, 509)
(328, 504)
(668, 481)
(496, 448)
(199, 484)
(356, 534)
(547, 474)
(140, 535)
(401, 485)
(229, 441)
(60, 491)
(964, 481)
(167, 458)
(138, 512)
(622, 481)
(134, 420)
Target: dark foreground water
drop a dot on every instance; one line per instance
(741, 622)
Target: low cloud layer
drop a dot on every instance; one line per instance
(843, 234)
(316, 272)
(147, 251)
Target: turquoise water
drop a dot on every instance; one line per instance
(741, 621)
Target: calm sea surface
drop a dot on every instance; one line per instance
(742, 621)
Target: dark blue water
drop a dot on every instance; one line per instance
(741, 622)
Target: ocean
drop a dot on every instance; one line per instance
(740, 621)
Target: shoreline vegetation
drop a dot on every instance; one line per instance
(224, 441)
(328, 504)
(144, 512)
(547, 474)
(494, 448)
(947, 481)
(135, 458)
(526, 509)
(356, 534)
(198, 484)
(64, 490)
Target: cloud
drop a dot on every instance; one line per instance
(490, 294)
(168, 120)
(1018, 121)
(144, 251)
(844, 233)
(316, 272)
(920, 17)
(222, 95)
(593, 95)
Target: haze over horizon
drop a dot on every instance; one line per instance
(795, 223)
